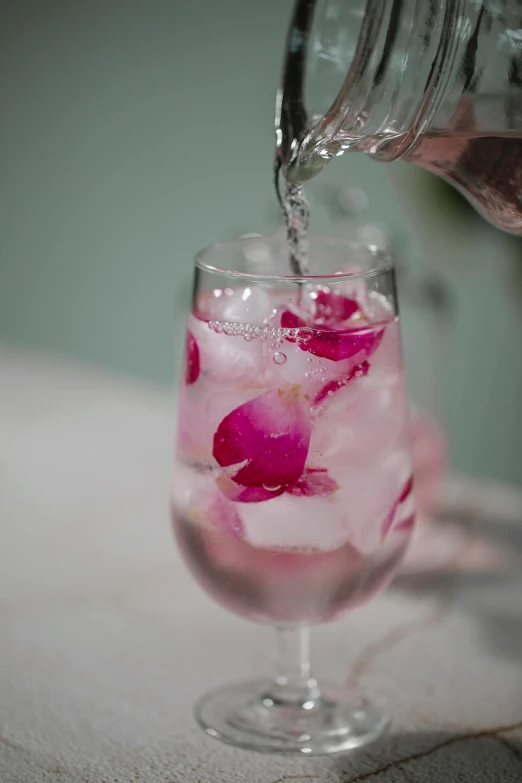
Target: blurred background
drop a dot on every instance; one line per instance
(132, 133)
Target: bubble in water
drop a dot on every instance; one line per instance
(274, 336)
(271, 489)
(304, 335)
(279, 357)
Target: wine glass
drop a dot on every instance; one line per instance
(292, 494)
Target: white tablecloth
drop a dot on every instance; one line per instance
(105, 641)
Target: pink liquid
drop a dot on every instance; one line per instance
(488, 169)
(282, 584)
(311, 548)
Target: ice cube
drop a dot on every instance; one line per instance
(354, 287)
(368, 415)
(285, 362)
(359, 421)
(228, 360)
(201, 410)
(368, 489)
(250, 305)
(296, 522)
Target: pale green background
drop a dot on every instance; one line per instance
(133, 132)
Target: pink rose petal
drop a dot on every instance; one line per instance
(192, 367)
(314, 481)
(271, 433)
(404, 495)
(239, 494)
(334, 344)
(290, 320)
(339, 345)
(333, 386)
(332, 308)
(406, 491)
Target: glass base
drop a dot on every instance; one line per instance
(245, 714)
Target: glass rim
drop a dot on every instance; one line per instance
(385, 262)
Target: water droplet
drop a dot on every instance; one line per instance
(279, 358)
(248, 337)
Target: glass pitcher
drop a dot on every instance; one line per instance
(434, 82)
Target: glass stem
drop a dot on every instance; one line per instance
(294, 683)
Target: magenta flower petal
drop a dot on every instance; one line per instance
(290, 320)
(314, 481)
(271, 434)
(404, 495)
(239, 494)
(406, 491)
(192, 367)
(328, 342)
(327, 334)
(333, 386)
(333, 308)
(338, 345)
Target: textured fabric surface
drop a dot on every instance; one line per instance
(105, 640)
